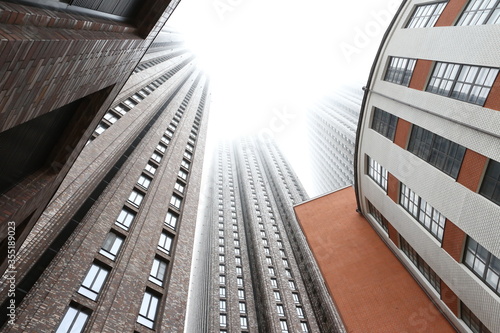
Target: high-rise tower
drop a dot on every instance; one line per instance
(254, 267)
(112, 251)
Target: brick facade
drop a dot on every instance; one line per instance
(471, 171)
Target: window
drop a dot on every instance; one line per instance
(157, 274)
(150, 168)
(303, 326)
(179, 186)
(110, 117)
(74, 320)
(222, 279)
(471, 84)
(222, 305)
(471, 320)
(384, 123)
(222, 269)
(432, 220)
(111, 245)
(165, 242)
(243, 322)
(274, 283)
(378, 217)
(490, 188)
(277, 296)
(185, 164)
(300, 312)
(101, 128)
(280, 309)
(377, 172)
(125, 218)
(165, 140)
(222, 320)
(93, 282)
(441, 153)
(182, 174)
(284, 326)
(484, 264)
(149, 307)
(222, 291)
(241, 294)
(176, 201)
(161, 148)
(243, 307)
(426, 15)
(156, 157)
(239, 281)
(188, 155)
(144, 181)
(221, 258)
(135, 198)
(292, 285)
(239, 271)
(422, 266)
(296, 298)
(399, 70)
(171, 219)
(481, 12)
(271, 271)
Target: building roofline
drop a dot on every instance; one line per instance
(365, 97)
(322, 195)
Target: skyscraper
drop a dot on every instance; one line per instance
(62, 64)
(254, 272)
(112, 251)
(331, 130)
(428, 161)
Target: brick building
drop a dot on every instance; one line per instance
(112, 250)
(62, 63)
(428, 157)
(253, 271)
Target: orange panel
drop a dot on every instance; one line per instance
(493, 100)
(402, 132)
(392, 187)
(472, 169)
(420, 74)
(451, 13)
(453, 240)
(370, 287)
(449, 298)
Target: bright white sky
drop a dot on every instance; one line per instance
(269, 60)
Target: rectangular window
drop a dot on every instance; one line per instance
(471, 320)
(185, 164)
(426, 15)
(481, 12)
(182, 174)
(176, 201)
(467, 83)
(135, 198)
(378, 217)
(222, 305)
(490, 188)
(171, 219)
(222, 292)
(378, 173)
(158, 270)
(292, 285)
(161, 148)
(222, 320)
(156, 157)
(74, 319)
(484, 264)
(222, 279)
(144, 181)
(150, 168)
(296, 298)
(243, 307)
(439, 152)
(111, 245)
(422, 266)
(384, 123)
(125, 218)
(93, 282)
(284, 326)
(110, 117)
(149, 307)
(304, 327)
(430, 218)
(179, 186)
(280, 309)
(241, 294)
(399, 70)
(277, 296)
(165, 242)
(300, 312)
(243, 322)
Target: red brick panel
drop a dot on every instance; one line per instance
(472, 169)
(453, 240)
(493, 100)
(393, 234)
(451, 13)
(449, 298)
(402, 132)
(392, 187)
(420, 74)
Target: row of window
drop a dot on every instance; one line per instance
(438, 151)
(477, 12)
(156, 61)
(467, 83)
(479, 260)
